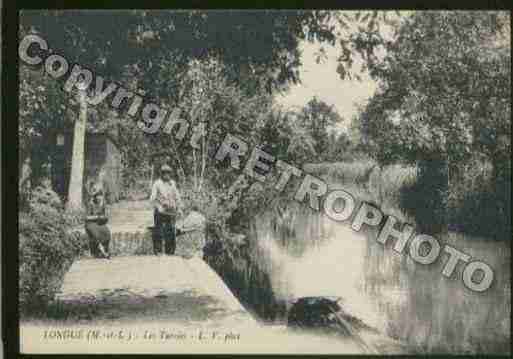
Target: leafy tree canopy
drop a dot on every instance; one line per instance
(444, 88)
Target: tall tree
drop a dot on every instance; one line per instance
(444, 96)
(319, 118)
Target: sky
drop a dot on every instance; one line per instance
(322, 80)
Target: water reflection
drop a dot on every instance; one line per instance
(405, 300)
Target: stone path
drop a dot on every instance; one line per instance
(159, 304)
(127, 216)
(155, 288)
(156, 304)
(131, 214)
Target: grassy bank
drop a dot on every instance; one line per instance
(476, 205)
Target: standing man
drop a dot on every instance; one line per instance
(167, 206)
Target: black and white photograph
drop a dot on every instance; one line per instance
(263, 181)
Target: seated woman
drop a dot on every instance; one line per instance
(96, 224)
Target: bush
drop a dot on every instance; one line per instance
(481, 203)
(46, 249)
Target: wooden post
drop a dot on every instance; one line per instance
(77, 160)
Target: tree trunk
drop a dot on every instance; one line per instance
(77, 161)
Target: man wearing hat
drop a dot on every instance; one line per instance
(167, 206)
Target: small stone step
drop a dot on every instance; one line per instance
(134, 241)
(130, 224)
(126, 241)
(131, 243)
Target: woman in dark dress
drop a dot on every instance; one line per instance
(96, 224)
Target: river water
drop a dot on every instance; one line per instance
(305, 253)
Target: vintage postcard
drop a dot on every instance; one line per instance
(264, 181)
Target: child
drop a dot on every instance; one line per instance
(96, 224)
(191, 240)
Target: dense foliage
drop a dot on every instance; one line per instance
(46, 248)
(444, 103)
(162, 54)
